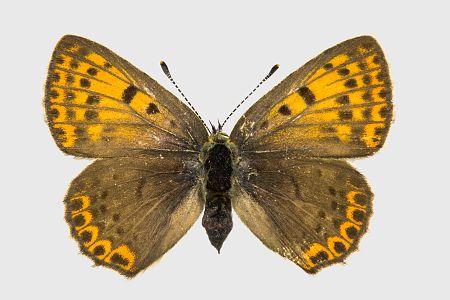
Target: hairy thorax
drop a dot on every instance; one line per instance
(219, 158)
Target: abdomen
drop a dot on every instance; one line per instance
(217, 216)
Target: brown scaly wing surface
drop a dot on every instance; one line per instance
(99, 105)
(130, 207)
(336, 105)
(126, 212)
(310, 211)
(292, 192)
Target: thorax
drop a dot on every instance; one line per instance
(219, 158)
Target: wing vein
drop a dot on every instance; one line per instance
(162, 198)
(81, 74)
(80, 58)
(344, 107)
(285, 197)
(130, 81)
(354, 75)
(301, 114)
(133, 213)
(149, 123)
(94, 107)
(350, 61)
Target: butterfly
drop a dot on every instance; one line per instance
(158, 167)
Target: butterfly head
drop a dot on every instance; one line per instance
(215, 129)
(217, 136)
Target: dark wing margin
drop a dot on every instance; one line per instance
(338, 105)
(125, 213)
(311, 211)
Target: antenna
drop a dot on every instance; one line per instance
(273, 70)
(166, 71)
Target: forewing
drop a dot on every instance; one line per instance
(310, 211)
(99, 105)
(336, 105)
(126, 213)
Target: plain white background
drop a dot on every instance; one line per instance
(217, 53)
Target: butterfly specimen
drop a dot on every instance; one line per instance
(158, 167)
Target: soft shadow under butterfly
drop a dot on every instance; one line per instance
(158, 167)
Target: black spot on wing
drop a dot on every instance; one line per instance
(367, 96)
(383, 94)
(345, 115)
(74, 65)
(70, 79)
(129, 93)
(358, 215)
(55, 77)
(60, 133)
(90, 115)
(99, 250)
(75, 204)
(367, 79)
(367, 113)
(284, 110)
(103, 208)
(380, 131)
(92, 99)
(339, 247)
(328, 66)
(376, 60)
(92, 71)
(351, 83)
(307, 95)
(86, 236)
(119, 260)
(83, 52)
(321, 256)
(362, 66)
(70, 114)
(383, 77)
(384, 112)
(360, 199)
(343, 72)
(344, 99)
(79, 220)
(85, 83)
(53, 94)
(351, 232)
(152, 109)
(332, 191)
(321, 214)
(69, 95)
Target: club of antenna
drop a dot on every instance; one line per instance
(273, 70)
(166, 71)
